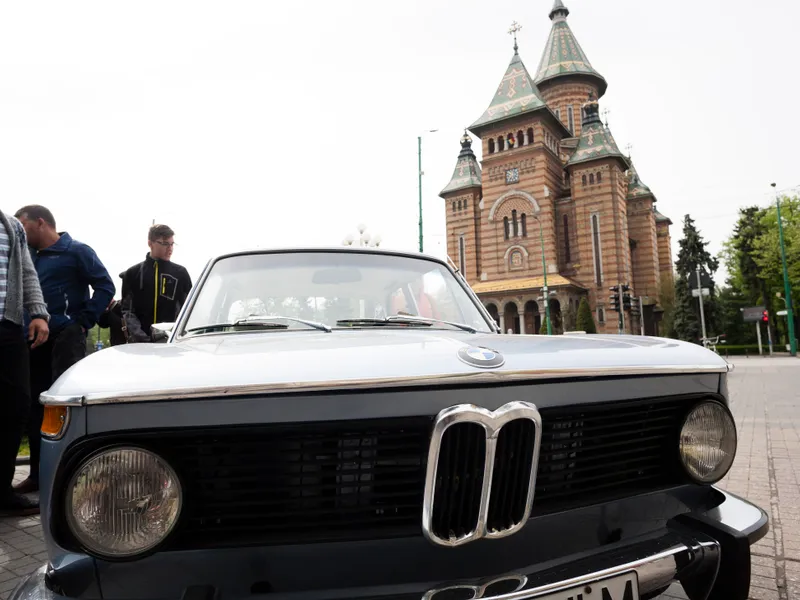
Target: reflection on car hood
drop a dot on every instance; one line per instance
(262, 362)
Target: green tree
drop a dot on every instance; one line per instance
(585, 319)
(667, 302)
(543, 328)
(685, 324)
(693, 253)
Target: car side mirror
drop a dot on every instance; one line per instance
(160, 332)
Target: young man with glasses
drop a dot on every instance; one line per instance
(154, 291)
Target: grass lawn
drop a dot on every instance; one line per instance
(24, 449)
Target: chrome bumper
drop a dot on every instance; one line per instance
(708, 553)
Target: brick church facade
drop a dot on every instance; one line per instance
(553, 192)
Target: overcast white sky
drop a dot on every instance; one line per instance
(256, 123)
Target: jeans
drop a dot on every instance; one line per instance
(48, 362)
(14, 398)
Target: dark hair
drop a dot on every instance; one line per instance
(159, 231)
(34, 212)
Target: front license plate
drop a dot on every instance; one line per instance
(621, 587)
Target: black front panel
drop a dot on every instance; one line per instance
(353, 480)
(459, 480)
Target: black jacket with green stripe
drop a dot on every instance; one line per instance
(153, 291)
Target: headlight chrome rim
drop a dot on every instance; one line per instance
(79, 535)
(717, 473)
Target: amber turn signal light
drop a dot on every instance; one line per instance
(55, 421)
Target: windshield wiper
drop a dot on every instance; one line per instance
(258, 322)
(406, 320)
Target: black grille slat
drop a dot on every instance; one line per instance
(511, 479)
(459, 479)
(296, 483)
(593, 453)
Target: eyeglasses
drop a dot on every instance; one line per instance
(166, 244)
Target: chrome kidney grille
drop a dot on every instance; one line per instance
(481, 472)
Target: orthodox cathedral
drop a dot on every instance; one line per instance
(555, 212)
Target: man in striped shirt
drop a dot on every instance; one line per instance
(19, 292)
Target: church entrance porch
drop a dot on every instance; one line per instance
(533, 320)
(511, 318)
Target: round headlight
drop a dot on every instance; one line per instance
(708, 442)
(122, 502)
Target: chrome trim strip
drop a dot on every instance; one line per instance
(492, 423)
(478, 377)
(51, 400)
(653, 573)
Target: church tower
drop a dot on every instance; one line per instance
(565, 76)
(462, 199)
(597, 206)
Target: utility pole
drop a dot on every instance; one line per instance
(420, 173)
(544, 273)
(702, 311)
(758, 336)
(641, 315)
(786, 287)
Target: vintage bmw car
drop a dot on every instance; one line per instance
(349, 423)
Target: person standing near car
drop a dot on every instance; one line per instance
(153, 291)
(66, 269)
(19, 292)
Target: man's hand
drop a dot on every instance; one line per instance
(38, 332)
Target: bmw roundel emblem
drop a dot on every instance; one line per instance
(481, 357)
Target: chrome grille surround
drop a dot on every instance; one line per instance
(492, 423)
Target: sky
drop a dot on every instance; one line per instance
(255, 124)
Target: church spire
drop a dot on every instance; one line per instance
(467, 173)
(559, 10)
(596, 141)
(636, 188)
(515, 95)
(563, 55)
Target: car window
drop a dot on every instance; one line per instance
(330, 287)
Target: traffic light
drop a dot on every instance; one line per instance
(765, 317)
(614, 298)
(626, 297)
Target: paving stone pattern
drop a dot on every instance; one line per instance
(765, 398)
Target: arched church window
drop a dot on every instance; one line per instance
(567, 256)
(491, 146)
(501, 144)
(591, 178)
(454, 206)
(459, 205)
(465, 204)
(583, 180)
(514, 221)
(524, 222)
(520, 138)
(505, 227)
(599, 177)
(530, 135)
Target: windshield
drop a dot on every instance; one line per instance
(339, 289)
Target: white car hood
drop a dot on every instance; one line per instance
(281, 361)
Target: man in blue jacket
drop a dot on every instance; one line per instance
(66, 269)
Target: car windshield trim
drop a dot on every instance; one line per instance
(259, 322)
(406, 320)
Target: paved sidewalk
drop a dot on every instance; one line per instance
(765, 398)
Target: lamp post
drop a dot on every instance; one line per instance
(419, 173)
(363, 239)
(544, 287)
(786, 287)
